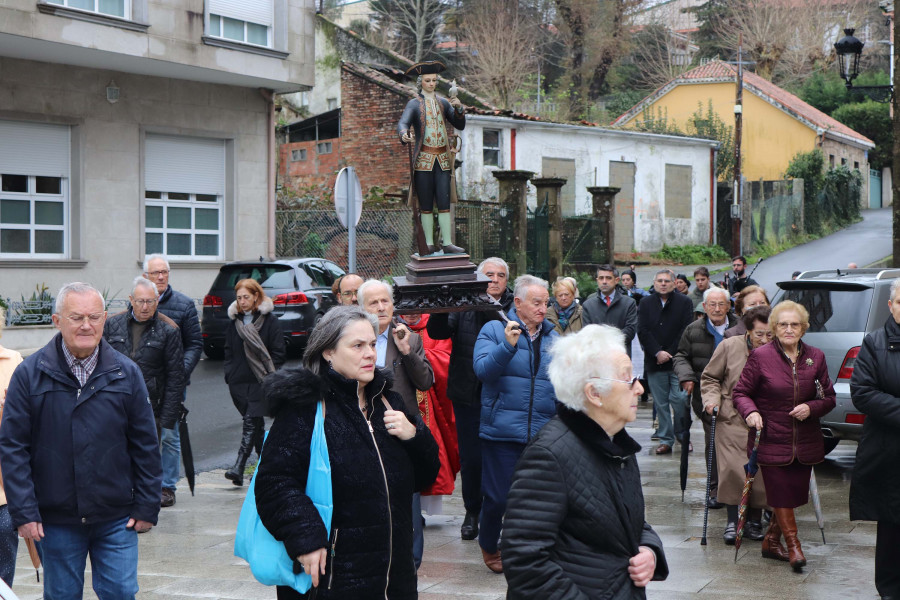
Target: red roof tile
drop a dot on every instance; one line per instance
(717, 72)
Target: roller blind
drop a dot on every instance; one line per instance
(184, 164)
(254, 11)
(34, 149)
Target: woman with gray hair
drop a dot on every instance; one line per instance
(380, 454)
(580, 472)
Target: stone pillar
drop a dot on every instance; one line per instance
(548, 189)
(513, 223)
(604, 224)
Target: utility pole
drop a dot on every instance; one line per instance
(895, 124)
(738, 120)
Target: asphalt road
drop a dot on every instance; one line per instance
(863, 243)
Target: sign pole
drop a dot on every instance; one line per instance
(351, 223)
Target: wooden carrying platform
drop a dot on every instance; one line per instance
(441, 284)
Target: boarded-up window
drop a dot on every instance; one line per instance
(565, 168)
(678, 192)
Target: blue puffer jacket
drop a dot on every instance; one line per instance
(71, 455)
(516, 401)
(181, 309)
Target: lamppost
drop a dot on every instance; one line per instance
(849, 49)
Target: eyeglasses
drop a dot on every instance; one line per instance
(789, 325)
(79, 319)
(158, 273)
(348, 294)
(630, 382)
(144, 302)
(717, 304)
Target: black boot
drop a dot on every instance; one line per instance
(259, 435)
(469, 529)
(236, 473)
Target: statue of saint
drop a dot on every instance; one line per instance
(429, 121)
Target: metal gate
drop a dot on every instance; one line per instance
(537, 244)
(874, 188)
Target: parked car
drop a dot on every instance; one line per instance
(300, 288)
(843, 305)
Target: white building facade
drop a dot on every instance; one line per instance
(129, 127)
(667, 182)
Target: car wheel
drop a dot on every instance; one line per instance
(831, 444)
(213, 352)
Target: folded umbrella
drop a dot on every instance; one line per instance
(187, 455)
(750, 470)
(709, 455)
(685, 448)
(817, 504)
(35, 557)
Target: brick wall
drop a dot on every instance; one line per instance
(369, 115)
(317, 169)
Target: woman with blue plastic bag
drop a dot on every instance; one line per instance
(379, 455)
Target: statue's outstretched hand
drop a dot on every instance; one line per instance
(407, 138)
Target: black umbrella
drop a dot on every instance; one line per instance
(187, 455)
(709, 455)
(685, 447)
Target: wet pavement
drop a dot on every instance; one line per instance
(189, 555)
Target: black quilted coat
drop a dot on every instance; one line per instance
(182, 310)
(875, 389)
(160, 358)
(370, 543)
(575, 515)
(463, 328)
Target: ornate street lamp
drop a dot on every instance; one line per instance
(848, 49)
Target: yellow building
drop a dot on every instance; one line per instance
(776, 124)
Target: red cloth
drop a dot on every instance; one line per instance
(437, 411)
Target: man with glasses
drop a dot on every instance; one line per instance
(662, 319)
(698, 342)
(183, 311)
(153, 342)
(608, 306)
(79, 453)
(346, 287)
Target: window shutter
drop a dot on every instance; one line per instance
(184, 164)
(34, 149)
(253, 11)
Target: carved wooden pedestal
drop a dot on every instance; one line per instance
(441, 284)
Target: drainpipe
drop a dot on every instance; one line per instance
(712, 195)
(269, 97)
(512, 149)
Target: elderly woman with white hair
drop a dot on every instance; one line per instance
(575, 525)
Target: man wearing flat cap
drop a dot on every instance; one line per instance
(427, 121)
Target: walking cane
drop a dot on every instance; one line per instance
(709, 455)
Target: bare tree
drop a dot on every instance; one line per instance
(416, 21)
(789, 39)
(660, 55)
(499, 57)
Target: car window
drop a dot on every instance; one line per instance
(333, 270)
(834, 310)
(320, 277)
(267, 275)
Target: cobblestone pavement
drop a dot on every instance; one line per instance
(189, 555)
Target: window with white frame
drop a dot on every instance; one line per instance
(184, 198)
(113, 8)
(244, 21)
(34, 190)
(490, 147)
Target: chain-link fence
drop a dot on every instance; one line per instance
(477, 230)
(384, 239)
(776, 211)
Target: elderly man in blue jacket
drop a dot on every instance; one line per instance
(517, 399)
(79, 453)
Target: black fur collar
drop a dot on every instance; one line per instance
(588, 431)
(299, 386)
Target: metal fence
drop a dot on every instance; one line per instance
(776, 211)
(37, 312)
(477, 230)
(384, 239)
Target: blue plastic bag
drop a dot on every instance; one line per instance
(268, 559)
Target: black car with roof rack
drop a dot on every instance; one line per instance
(300, 289)
(844, 305)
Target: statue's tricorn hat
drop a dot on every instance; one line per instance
(425, 68)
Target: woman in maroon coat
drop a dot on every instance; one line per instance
(778, 393)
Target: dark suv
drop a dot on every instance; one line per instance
(300, 288)
(843, 305)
